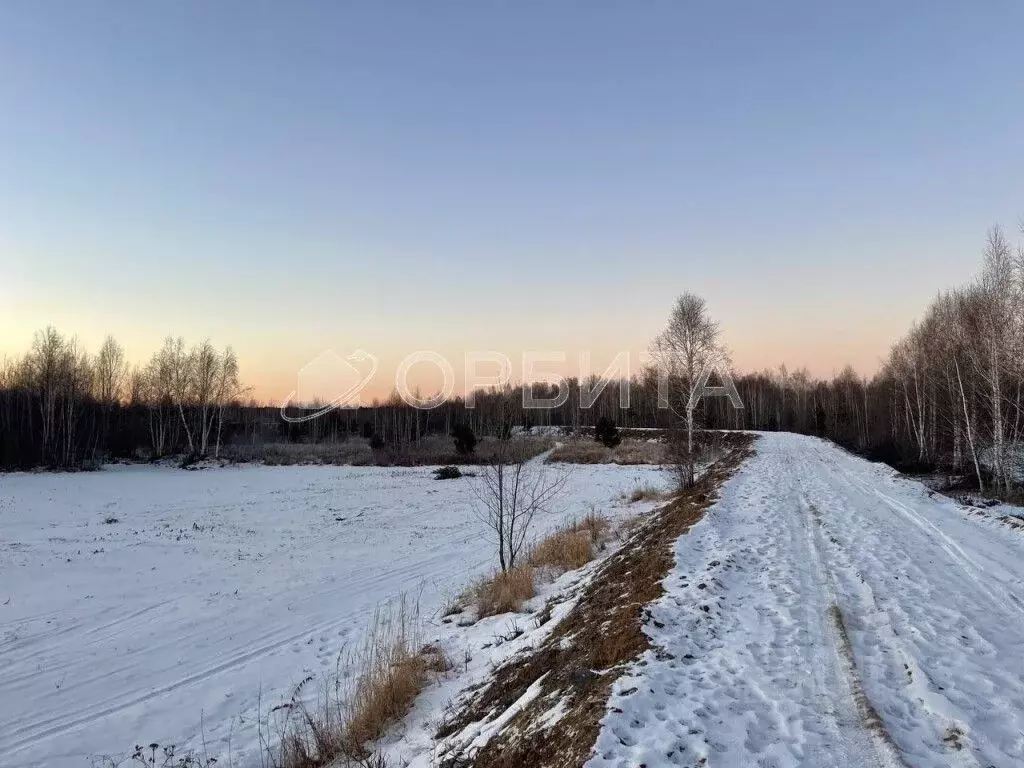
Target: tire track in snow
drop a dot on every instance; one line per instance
(745, 668)
(913, 701)
(886, 752)
(970, 567)
(862, 638)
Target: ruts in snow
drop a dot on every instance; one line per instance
(828, 612)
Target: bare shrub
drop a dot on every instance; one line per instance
(512, 491)
(689, 456)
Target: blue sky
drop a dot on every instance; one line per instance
(289, 177)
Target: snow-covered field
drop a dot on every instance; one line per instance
(828, 612)
(213, 589)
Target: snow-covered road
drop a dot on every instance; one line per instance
(206, 590)
(827, 612)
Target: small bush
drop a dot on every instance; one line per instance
(450, 472)
(607, 433)
(505, 592)
(376, 442)
(465, 440)
(111, 520)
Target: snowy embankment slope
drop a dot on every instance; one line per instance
(827, 612)
(214, 588)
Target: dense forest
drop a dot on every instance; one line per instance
(949, 397)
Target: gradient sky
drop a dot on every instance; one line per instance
(293, 177)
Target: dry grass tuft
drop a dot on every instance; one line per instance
(581, 451)
(505, 592)
(563, 551)
(598, 526)
(374, 686)
(646, 492)
(572, 546)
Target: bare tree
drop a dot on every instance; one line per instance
(513, 489)
(227, 390)
(689, 343)
(109, 372)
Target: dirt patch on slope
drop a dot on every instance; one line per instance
(545, 708)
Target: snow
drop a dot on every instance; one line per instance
(483, 645)
(216, 592)
(829, 612)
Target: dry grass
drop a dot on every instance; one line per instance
(355, 451)
(374, 686)
(563, 550)
(588, 451)
(586, 652)
(569, 547)
(504, 592)
(573, 545)
(440, 450)
(429, 451)
(646, 492)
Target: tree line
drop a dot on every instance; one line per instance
(948, 395)
(64, 408)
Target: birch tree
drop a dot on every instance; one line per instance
(689, 343)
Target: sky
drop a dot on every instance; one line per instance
(290, 178)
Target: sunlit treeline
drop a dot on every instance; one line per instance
(64, 407)
(949, 396)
